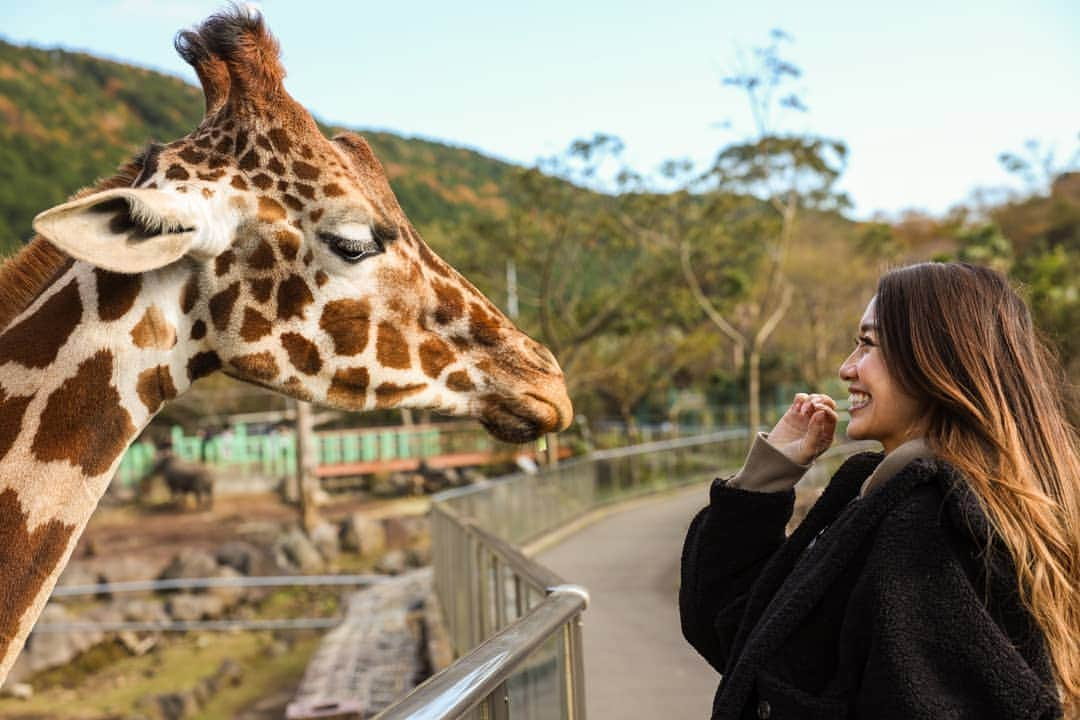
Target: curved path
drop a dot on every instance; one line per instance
(637, 664)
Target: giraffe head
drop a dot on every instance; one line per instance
(296, 267)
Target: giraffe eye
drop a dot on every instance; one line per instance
(352, 250)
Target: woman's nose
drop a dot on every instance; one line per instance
(847, 370)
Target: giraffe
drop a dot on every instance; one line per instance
(254, 246)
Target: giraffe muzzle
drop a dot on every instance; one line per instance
(528, 416)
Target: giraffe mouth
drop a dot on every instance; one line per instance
(521, 419)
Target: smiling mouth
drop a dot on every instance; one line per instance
(857, 401)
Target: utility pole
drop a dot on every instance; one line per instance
(511, 289)
(307, 459)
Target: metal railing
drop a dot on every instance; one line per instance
(516, 625)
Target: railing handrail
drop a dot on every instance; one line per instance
(482, 670)
(215, 582)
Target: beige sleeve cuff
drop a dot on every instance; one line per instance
(767, 469)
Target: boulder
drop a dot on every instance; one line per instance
(176, 706)
(325, 539)
(362, 534)
(392, 563)
(77, 573)
(49, 649)
(19, 691)
(405, 530)
(230, 595)
(141, 610)
(124, 568)
(245, 558)
(190, 563)
(189, 607)
(294, 550)
(417, 557)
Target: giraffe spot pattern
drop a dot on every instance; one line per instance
(295, 387)
(155, 387)
(262, 181)
(202, 364)
(349, 387)
(293, 296)
(239, 183)
(270, 210)
(483, 327)
(451, 304)
(437, 266)
(193, 156)
(305, 171)
(198, 330)
(260, 366)
(388, 395)
(223, 263)
(255, 325)
(116, 293)
(435, 355)
(391, 347)
(262, 257)
(28, 558)
(275, 166)
(459, 381)
(332, 190)
(249, 161)
(12, 410)
(280, 139)
(221, 306)
(321, 278)
(262, 288)
(176, 172)
(36, 340)
(302, 353)
(189, 295)
(346, 322)
(153, 331)
(289, 244)
(83, 421)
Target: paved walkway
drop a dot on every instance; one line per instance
(637, 664)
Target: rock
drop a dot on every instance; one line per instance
(137, 645)
(188, 607)
(418, 556)
(294, 549)
(230, 673)
(392, 563)
(177, 706)
(140, 610)
(49, 649)
(245, 558)
(362, 534)
(77, 573)
(405, 530)
(325, 539)
(189, 563)
(19, 691)
(124, 568)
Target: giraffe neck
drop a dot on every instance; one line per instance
(82, 370)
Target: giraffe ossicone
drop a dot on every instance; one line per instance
(255, 246)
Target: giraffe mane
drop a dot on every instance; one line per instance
(29, 272)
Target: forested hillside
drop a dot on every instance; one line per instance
(68, 118)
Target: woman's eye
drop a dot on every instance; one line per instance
(352, 249)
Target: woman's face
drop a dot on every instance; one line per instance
(880, 409)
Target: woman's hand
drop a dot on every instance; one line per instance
(807, 428)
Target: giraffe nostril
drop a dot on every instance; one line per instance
(544, 355)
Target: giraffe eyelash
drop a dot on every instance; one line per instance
(351, 249)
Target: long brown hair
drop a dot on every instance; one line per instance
(960, 338)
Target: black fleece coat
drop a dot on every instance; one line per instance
(875, 607)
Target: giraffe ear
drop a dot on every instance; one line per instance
(132, 230)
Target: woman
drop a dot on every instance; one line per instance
(936, 580)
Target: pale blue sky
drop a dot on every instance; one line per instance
(925, 97)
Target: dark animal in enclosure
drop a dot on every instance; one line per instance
(183, 478)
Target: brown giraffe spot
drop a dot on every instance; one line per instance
(263, 142)
(176, 172)
(293, 202)
(249, 161)
(270, 210)
(153, 330)
(289, 244)
(459, 381)
(27, 558)
(204, 141)
(321, 278)
(308, 257)
(390, 394)
(223, 262)
(11, 415)
(207, 193)
(260, 366)
(83, 421)
(282, 185)
(262, 257)
(305, 151)
(293, 296)
(193, 156)
(305, 171)
(346, 322)
(349, 386)
(218, 161)
(238, 183)
(116, 293)
(332, 190)
(202, 364)
(391, 347)
(224, 146)
(262, 288)
(211, 176)
(306, 190)
(435, 355)
(190, 294)
(255, 325)
(262, 181)
(316, 214)
(221, 306)
(484, 328)
(436, 265)
(198, 330)
(241, 141)
(155, 387)
(280, 139)
(35, 341)
(451, 303)
(302, 353)
(275, 166)
(296, 387)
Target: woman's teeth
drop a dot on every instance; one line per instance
(858, 400)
